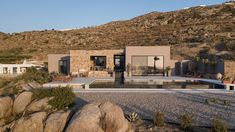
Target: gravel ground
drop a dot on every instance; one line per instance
(172, 104)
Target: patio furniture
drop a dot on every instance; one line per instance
(83, 73)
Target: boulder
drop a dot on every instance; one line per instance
(7, 127)
(219, 76)
(86, 120)
(21, 102)
(34, 85)
(39, 105)
(5, 107)
(56, 121)
(99, 117)
(113, 120)
(32, 123)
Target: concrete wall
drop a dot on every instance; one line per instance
(80, 59)
(53, 62)
(20, 68)
(150, 51)
(183, 67)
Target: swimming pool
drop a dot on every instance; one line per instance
(155, 84)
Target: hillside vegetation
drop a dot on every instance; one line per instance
(188, 31)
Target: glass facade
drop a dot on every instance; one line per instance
(63, 66)
(147, 65)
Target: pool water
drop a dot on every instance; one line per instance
(154, 85)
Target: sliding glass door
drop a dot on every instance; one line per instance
(147, 65)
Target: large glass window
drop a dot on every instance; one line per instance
(147, 65)
(99, 62)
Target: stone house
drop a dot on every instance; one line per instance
(133, 60)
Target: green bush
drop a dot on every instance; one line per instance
(3, 82)
(159, 119)
(160, 17)
(219, 126)
(33, 74)
(13, 55)
(63, 97)
(12, 86)
(226, 103)
(207, 101)
(186, 122)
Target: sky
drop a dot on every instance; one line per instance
(28, 15)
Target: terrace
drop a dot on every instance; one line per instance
(178, 84)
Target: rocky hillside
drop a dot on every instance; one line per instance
(188, 31)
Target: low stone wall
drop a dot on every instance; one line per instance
(229, 69)
(98, 74)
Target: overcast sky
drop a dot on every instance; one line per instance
(27, 15)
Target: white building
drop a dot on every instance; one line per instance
(14, 69)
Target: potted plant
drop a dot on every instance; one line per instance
(167, 70)
(128, 69)
(226, 80)
(233, 82)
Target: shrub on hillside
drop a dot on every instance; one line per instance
(33, 74)
(12, 86)
(159, 119)
(63, 97)
(219, 126)
(186, 122)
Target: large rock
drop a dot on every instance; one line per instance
(5, 107)
(21, 102)
(39, 105)
(7, 127)
(99, 117)
(56, 121)
(114, 120)
(32, 123)
(86, 120)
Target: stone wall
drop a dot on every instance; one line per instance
(80, 59)
(229, 69)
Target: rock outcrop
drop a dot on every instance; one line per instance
(21, 101)
(6, 104)
(113, 119)
(32, 123)
(5, 107)
(56, 121)
(86, 120)
(26, 115)
(39, 105)
(99, 117)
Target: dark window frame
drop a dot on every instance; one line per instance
(97, 66)
(65, 71)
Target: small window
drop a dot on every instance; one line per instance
(23, 69)
(99, 62)
(5, 70)
(14, 70)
